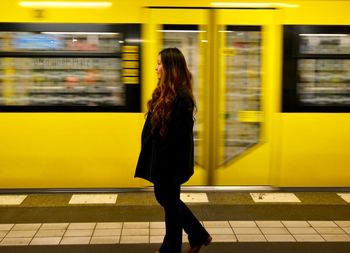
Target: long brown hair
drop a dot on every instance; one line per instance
(175, 76)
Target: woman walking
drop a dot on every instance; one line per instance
(166, 158)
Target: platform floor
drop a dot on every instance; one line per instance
(133, 222)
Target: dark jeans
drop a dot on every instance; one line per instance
(177, 217)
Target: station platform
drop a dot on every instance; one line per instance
(132, 221)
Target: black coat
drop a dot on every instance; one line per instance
(170, 158)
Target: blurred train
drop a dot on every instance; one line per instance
(271, 81)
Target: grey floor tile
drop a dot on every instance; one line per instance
(107, 232)
(242, 224)
(82, 225)
(302, 231)
(46, 241)
(21, 233)
(322, 224)
(271, 224)
(297, 224)
(333, 230)
(131, 239)
(135, 231)
(15, 241)
(251, 238)
(247, 231)
(105, 240)
(337, 238)
(50, 233)
(54, 226)
(78, 232)
(308, 238)
(109, 225)
(76, 240)
(280, 238)
(6, 226)
(216, 224)
(31, 226)
(136, 225)
(274, 231)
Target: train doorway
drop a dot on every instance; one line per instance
(231, 54)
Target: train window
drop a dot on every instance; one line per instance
(69, 67)
(316, 70)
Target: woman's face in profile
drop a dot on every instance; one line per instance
(159, 68)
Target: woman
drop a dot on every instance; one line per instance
(166, 157)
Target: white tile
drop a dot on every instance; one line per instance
(156, 238)
(243, 224)
(29, 226)
(224, 238)
(337, 238)
(12, 199)
(296, 224)
(75, 240)
(86, 225)
(104, 225)
(274, 197)
(329, 231)
(136, 225)
(105, 240)
(269, 224)
(302, 231)
(3, 233)
(93, 199)
(50, 233)
(135, 231)
(280, 238)
(46, 241)
(78, 232)
(220, 231)
(21, 233)
(107, 232)
(15, 241)
(216, 224)
(274, 231)
(247, 231)
(347, 230)
(157, 231)
(345, 196)
(134, 239)
(323, 224)
(157, 224)
(54, 226)
(251, 238)
(6, 226)
(308, 238)
(194, 197)
(340, 223)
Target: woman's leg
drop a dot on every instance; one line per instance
(197, 235)
(168, 196)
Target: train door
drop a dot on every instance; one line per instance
(230, 53)
(186, 29)
(245, 72)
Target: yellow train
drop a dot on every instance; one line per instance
(272, 84)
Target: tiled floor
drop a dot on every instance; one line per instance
(153, 232)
